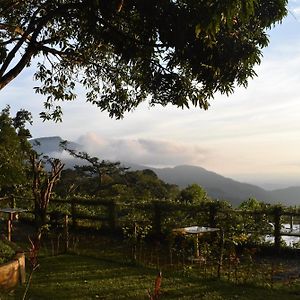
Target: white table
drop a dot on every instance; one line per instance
(197, 231)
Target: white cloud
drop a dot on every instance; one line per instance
(144, 151)
(296, 11)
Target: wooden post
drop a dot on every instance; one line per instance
(291, 222)
(9, 226)
(66, 232)
(197, 250)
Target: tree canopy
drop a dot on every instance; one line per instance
(95, 175)
(193, 194)
(14, 149)
(126, 51)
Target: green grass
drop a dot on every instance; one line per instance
(100, 268)
(83, 277)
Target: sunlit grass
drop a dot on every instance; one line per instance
(101, 268)
(82, 277)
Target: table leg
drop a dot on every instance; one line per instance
(9, 226)
(197, 251)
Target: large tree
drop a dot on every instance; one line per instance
(193, 194)
(145, 185)
(43, 183)
(14, 149)
(96, 175)
(125, 51)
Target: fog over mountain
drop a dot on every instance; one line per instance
(141, 151)
(49, 145)
(216, 185)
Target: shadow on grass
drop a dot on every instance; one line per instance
(83, 277)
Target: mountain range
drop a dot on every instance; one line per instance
(216, 185)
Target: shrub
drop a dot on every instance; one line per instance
(6, 252)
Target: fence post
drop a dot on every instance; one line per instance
(66, 232)
(291, 222)
(277, 227)
(73, 212)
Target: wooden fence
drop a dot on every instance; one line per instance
(113, 214)
(157, 212)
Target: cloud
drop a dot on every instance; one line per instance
(144, 151)
(296, 11)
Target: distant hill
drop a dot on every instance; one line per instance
(50, 146)
(290, 195)
(217, 186)
(46, 145)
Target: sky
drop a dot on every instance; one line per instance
(251, 136)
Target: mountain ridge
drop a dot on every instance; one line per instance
(216, 185)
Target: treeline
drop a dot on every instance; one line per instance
(108, 192)
(26, 174)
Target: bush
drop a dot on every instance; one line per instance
(6, 252)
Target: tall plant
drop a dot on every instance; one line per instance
(14, 149)
(100, 175)
(42, 185)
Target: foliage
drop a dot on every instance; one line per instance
(6, 252)
(137, 232)
(111, 180)
(14, 149)
(71, 182)
(146, 185)
(126, 51)
(252, 204)
(21, 165)
(255, 220)
(193, 194)
(33, 261)
(95, 176)
(43, 182)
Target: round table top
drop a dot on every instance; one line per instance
(195, 230)
(10, 210)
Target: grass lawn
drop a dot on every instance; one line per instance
(73, 276)
(99, 268)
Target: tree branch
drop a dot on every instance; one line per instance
(25, 35)
(9, 6)
(11, 55)
(34, 27)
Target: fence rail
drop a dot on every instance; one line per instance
(158, 213)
